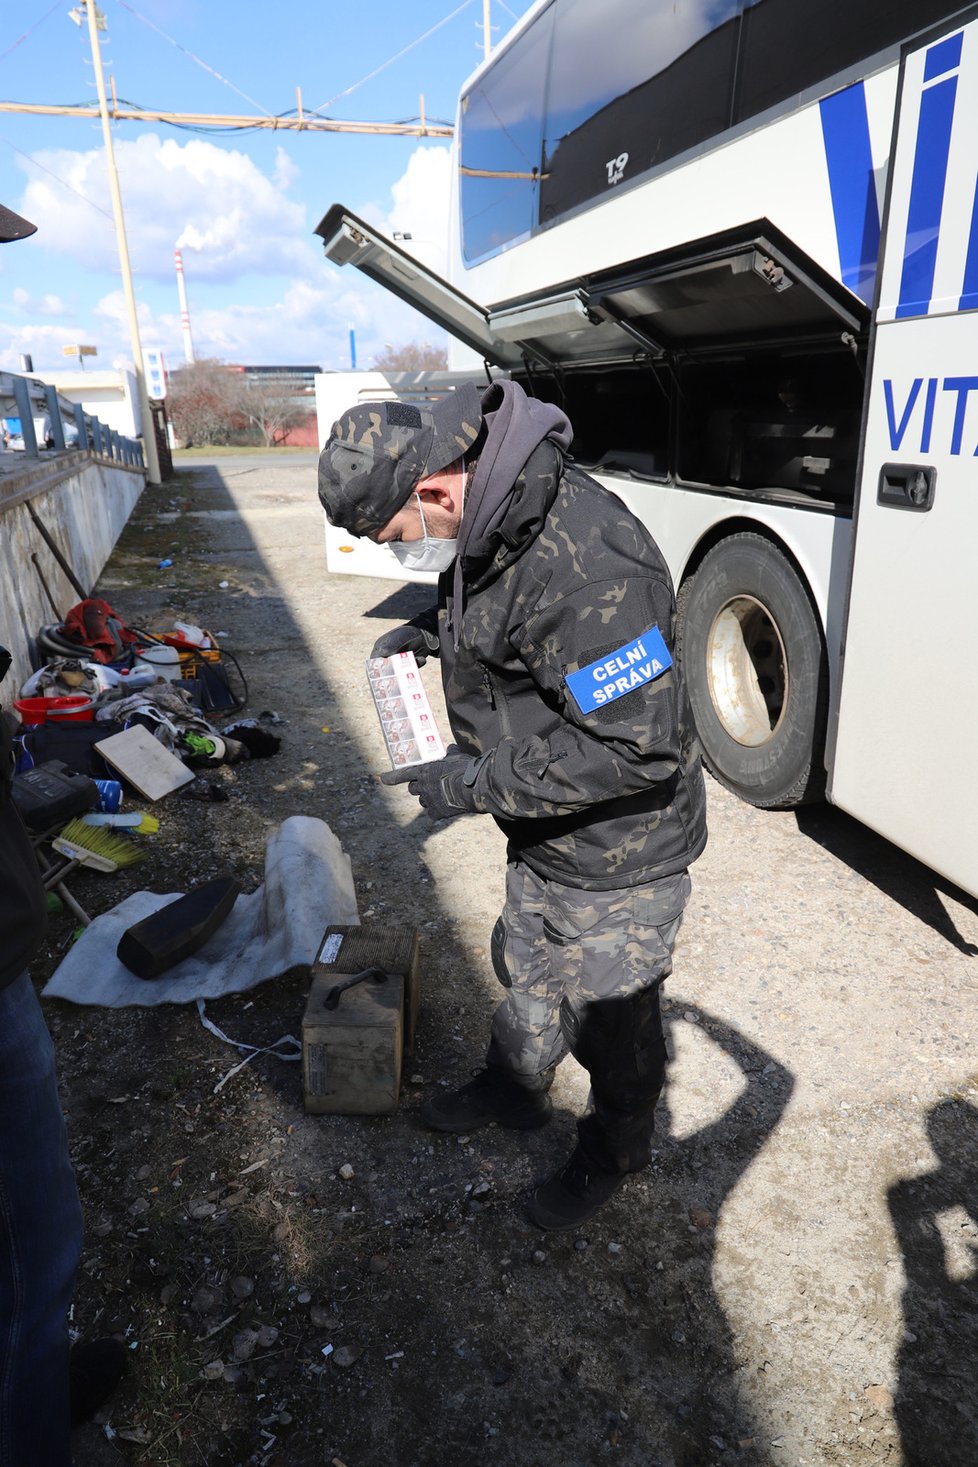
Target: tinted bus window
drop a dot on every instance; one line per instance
(790, 45)
(502, 133)
(630, 89)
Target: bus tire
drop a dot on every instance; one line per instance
(750, 645)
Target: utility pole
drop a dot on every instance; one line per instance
(149, 430)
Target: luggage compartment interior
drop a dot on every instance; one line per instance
(769, 421)
(758, 419)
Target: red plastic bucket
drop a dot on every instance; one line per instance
(77, 708)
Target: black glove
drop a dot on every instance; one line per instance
(408, 638)
(445, 787)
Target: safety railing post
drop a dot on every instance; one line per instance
(54, 416)
(22, 397)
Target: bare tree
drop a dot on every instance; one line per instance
(270, 408)
(414, 356)
(200, 402)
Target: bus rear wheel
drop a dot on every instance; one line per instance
(752, 654)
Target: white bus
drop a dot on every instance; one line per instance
(738, 242)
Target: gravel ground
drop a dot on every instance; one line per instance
(791, 1283)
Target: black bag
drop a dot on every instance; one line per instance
(71, 743)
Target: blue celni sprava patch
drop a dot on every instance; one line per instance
(621, 672)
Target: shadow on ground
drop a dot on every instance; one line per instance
(898, 875)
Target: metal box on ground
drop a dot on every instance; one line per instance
(354, 1040)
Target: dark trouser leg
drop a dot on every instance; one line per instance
(615, 950)
(527, 1040)
(40, 1240)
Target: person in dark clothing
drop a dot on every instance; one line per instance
(44, 1388)
(555, 629)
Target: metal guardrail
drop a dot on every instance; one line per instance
(66, 424)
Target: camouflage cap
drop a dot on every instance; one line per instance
(378, 451)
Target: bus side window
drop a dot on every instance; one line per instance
(502, 133)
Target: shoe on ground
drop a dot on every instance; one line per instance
(95, 1368)
(491, 1098)
(573, 1194)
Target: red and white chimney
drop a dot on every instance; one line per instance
(188, 343)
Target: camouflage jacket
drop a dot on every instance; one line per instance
(596, 781)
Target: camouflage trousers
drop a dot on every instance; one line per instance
(582, 972)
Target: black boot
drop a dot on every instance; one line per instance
(492, 1097)
(573, 1194)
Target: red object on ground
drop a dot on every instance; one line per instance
(77, 708)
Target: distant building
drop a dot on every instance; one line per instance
(299, 384)
(298, 377)
(110, 396)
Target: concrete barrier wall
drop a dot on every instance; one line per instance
(83, 502)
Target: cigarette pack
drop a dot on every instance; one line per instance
(406, 719)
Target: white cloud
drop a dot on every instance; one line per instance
(420, 202)
(215, 201)
(234, 221)
(310, 324)
(39, 305)
(44, 344)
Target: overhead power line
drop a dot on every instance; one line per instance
(298, 121)
(391, 59)
(192, 55)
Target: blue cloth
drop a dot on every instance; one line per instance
(40, 1240)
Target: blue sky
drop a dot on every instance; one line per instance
(242, 205)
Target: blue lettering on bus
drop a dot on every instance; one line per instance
(852, 186)
(929, 402)
(897, 430)
(962, 386)
(969, 293)
(929, 178)
(959, 387)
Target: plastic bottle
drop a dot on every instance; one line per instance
(129, 678)
(190, 633)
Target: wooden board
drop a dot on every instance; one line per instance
(144, 763)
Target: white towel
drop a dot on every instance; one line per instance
(308, 887)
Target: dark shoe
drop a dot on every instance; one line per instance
(573, 1194)
(95, 1368)
(492, 1097)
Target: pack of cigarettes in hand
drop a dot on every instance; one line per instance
(408, 724)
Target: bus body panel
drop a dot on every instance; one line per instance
(908, 715)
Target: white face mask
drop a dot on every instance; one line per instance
(427, 554)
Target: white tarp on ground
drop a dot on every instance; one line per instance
(308, 887)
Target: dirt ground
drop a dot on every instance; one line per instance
(793, 1281)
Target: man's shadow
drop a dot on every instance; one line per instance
(688, 1343)
(936, 1221)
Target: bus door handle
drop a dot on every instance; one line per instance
(907, 486)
